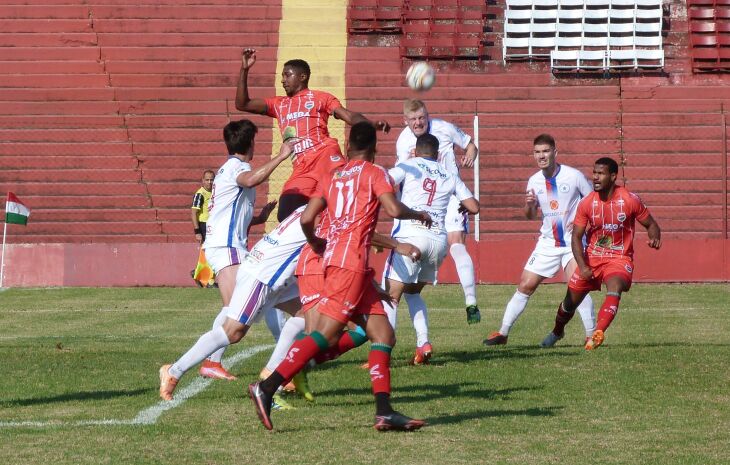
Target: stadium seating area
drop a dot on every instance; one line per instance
(709, 34)
(111, 110)
(585, 34)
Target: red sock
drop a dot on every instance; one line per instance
(348, 341)
(379, 361)
(301, 352)
(561, 319)
(607, 312)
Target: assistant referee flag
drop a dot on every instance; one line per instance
(15, 211)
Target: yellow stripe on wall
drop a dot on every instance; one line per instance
(314, 31)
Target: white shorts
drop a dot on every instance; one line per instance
(547, 260)
(252, 299)
(455, 221)
(405, 270)
(222, 257)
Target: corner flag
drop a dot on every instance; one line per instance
(15, 211)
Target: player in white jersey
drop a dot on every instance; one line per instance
(265, 280)
(418, 122)
(231, 214)
(556, 190)
(426, 186)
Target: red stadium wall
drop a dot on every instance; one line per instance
(110, 113)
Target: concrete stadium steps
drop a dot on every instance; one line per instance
(70, 175)
(42, 162)
(89, 200)
(60, 72)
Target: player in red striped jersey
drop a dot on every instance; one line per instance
(302, 114)
(352, 197)
(608, 217)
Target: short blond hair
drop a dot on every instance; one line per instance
(412, 104)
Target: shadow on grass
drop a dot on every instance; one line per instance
(528, 412)
(74, 396)
(423, 393)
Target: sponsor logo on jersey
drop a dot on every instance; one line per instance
(296, 115)
(611, 227)
(621, 217)
(270, 240)
(554, 205)
(432, 171)
(604, 241)
(350, 172)
(303, 145)
(563, 188)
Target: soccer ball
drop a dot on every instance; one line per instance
(420, 76)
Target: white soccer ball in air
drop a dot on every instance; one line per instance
(420, 76)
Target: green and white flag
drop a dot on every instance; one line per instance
(15, 211)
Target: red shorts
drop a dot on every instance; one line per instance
(310, 290)
(310, 167)
(347, 293)
(603, 268)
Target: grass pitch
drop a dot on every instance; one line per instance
(79, 374)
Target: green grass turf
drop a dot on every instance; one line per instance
(655, 393)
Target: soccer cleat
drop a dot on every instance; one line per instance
(365, 366)
(495, 339)
(551, 339)
(167, 382)
(302, 385)
(397, 422)
(423, 354)
(596, 340)
(262, 403)
(215, 370)
(472, 314)
(279, 403)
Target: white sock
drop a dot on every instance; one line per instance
(419, 317)
(275, 320)
(465, 270)
(218, 322)
(206, 345)
(392, 312)
(292, 327)
(585, 309)
(515, 307)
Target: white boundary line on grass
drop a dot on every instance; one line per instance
(150, 415)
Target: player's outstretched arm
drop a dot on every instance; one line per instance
(654, 232)
(243, 101)
(353, 117)
(576, 245)
(264, 213)
(255, 177)
(470, 155)
(471, 205)
(308, 221)
(402, 248)
(396, 209)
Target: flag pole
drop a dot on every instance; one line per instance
(2, 257)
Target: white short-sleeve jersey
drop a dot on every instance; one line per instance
(426, 186)
(558, 199)
(230, 208)
(448, 136)
(274, 258)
